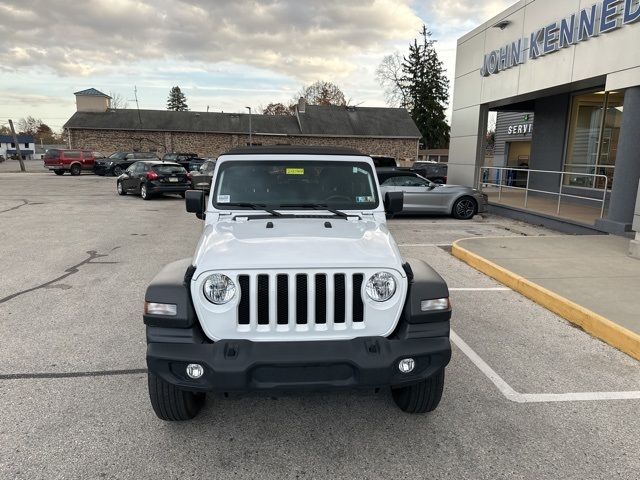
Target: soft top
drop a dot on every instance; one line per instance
(293, 150)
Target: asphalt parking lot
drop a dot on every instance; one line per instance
(76, 259)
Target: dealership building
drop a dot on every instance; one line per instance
(574, 67)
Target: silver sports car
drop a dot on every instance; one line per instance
(423, 196)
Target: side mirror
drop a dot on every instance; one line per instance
(393, 202)
(194, 200)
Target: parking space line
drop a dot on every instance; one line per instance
(481, 289)
(497, 380)
(510, 394)
(440, 245)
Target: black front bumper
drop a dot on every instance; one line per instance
(101, 169)
(241, 365)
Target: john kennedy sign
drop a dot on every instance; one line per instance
(602, 17)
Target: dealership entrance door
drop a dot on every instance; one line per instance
(518, 154)
(518, 157)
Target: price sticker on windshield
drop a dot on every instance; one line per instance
(295, 171)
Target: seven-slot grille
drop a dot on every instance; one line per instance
(319, 301)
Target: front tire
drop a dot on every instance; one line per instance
(75, 170)
(121, 190)
(464, 208)
(171, 403)
(421, 397)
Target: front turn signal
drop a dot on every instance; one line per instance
(435, 305)
(152, 308)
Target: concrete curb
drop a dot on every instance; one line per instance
(596, 325)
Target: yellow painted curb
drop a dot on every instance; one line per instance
(600, 327)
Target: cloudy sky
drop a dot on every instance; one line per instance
(223, 54)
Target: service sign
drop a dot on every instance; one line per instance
(602, 17)
(522, 129)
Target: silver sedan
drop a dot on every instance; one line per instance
(423, 196)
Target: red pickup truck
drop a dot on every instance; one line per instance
(72, 161)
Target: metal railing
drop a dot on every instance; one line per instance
(512, 177)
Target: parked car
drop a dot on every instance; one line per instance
(118, 162)
(195, 164)
(436, 172)
(383, 162)
(424, 196)
(152, 177)
(182, 158)
(296, 283)
(72, 161)
(201, 179)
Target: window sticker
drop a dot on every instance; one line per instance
(364, 199)
(224, 198)
(295, 171)
(359, 170)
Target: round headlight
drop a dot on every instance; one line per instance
(219, 288)
(381, 287)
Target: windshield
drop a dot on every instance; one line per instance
(208, 167)
(169, 169)
(118, 155)
(289, 184)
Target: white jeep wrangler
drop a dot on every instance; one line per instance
(296, 283)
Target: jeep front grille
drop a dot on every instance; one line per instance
(320, 301)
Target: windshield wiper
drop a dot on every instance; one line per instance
(317, 206)
(254, 206)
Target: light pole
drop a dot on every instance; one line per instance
(250, 140)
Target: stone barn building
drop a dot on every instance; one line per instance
(388, 132)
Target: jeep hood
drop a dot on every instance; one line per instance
(296, 243)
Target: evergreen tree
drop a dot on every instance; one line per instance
(177, 101)
(427, 91)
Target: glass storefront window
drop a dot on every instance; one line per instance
(593, 140)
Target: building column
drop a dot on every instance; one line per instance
(627, 171)
(466, 149)
(634, 245)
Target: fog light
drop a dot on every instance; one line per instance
(407, 365)
(194, 370)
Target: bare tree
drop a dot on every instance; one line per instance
(278, 109)
(322, 93)
(390, 76)
(36, 128)
(117, 101)
(29, 125)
